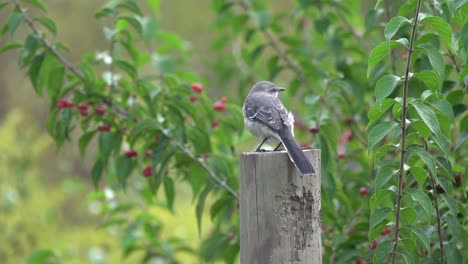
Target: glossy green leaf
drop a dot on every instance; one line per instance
(262, 18)
(14, 22)
(425, 156)
(385, 87)
(36, 3)
(105, 142)
(429, 78)
(123, 168)
(444, 108)
(55, 82)
(84, 141)
(378, 216)
(131, 6)
(169, 190)
(419, 234)
(436, 60)
(380, 51)
(382, 251)
(200, 207)
(420, 174)
(443, 28)
(423, 201)
(394, 25)
(378, 110)
(40, 256)
(47, 23)
(378, 132)
(96, 172)
(10, 46)
(384, 176)
(451, 203)
(408, 215)
(408, 258)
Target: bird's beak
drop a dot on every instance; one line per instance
(280, 89)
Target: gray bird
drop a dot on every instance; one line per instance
(267, 118)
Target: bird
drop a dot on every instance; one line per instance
(266, 118)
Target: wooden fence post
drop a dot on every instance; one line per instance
(280, 210)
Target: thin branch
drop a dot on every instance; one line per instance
(403, 132)
(208, 169)
(451, 55)
(68, 65)
(281, 53)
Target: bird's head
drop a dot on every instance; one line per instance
(266, 87)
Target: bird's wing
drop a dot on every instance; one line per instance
(269, 111)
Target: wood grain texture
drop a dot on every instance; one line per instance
(280, 210)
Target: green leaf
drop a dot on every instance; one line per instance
(48, 23)
(381, 50)
(379, 197)
(379, 132)
(429, 78)
(378, 216)
(407, 257)
(425, 156)
(96, 172)
(55, 82)
(10, 46)
(84, 141)
(430, 119)
(436, 60)
(420, 174)
(384, 176)
(124, 167)
(394, 25)
(419, 234)
(200, 206)
(36, 3)
(378, 110)
(464, 36)
(382, 251)
(169, 189)
(40, 256)
(262, 18)
(444, 108)
(451, 203)
(385, 87)
(131, 6)
(423, 200)
(443, 28)
(14, 22)
(256, 53)
(408, 215)
(127, 67)
(105, 142)
(2, 5)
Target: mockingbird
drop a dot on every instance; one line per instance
(266, 117)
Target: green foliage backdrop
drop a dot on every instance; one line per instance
(378, 86)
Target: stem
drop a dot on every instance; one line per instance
(403, 132)
(68, 65)
(281, 53)
(436, 205)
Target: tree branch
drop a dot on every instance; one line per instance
(403, 132)
(281, 53)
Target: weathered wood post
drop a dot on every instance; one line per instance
(280, 210)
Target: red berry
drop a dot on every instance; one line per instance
(197, 87)
(65, 103)
(83, 107)
(349, 121)
(363, 191)
(100, 110)
(84, 113)
(193, 98)
(314, 130)
(458, 179)
(374, 244)
(103, 128)
(156, 138)
(131, 153)
(148, 153)
(341, 155)
(215, 123)
(148, 171)
(360, 261)
(224, 100)
(218, 106)
(386, 231)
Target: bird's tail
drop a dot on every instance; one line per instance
(296, 154)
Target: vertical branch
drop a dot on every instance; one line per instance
(436, 205)
(403, 133)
